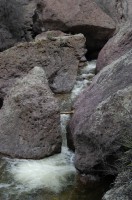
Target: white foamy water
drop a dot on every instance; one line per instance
(3, 185)
(52, 173)
(89, 68)
(64, 121)
(56, 172)
(78, 88)
(84, 79)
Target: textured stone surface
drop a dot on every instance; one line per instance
(119, 10)
(30, 119)
(102, 115)
(76, 16)
(121, 42)
(29, 7)
(50, 34)
(59, 56)
(15, 22)
(117, 46)
(6, 38)
(122, 189)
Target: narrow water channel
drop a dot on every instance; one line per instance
(52, 178)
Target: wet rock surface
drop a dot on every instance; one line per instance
(30, 119)
(58, 56)
(85, 74)
(102, 115)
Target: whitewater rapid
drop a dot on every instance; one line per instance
(56, 172)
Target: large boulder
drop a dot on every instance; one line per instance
(117, 46)
(121, 42)
(30, 119)
(76, 16)
(28, 7)
(15, 22)
(59, 56)
(103, 116)
(120, 11)
(6, 38)
(122, 189)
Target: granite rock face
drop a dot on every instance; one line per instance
(117, 46)
(122, 189)
(15, 22)
(58, 56)
(28, 7)
(6, 38)
(121, 42)
(119, 10)
(76, 16)
(102, 116)
(30, 119)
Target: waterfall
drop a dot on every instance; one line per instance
(84, 78)
(52, 174)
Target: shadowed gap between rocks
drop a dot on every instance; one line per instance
(1, 102)
(94, 44)
(96, 36)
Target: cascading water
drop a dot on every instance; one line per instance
(52, 173)
(52, 178)
(84, 78)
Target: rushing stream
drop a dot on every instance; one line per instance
(52, 178)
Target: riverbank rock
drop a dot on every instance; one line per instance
(30, 119)
(121, 42)
(50, 35)
(6, 38)
(58, 56)
(120, 11)
(117, 46)
(122, 189)
(76, 16)
(28, 7)
(102, 116)
(15, 22)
